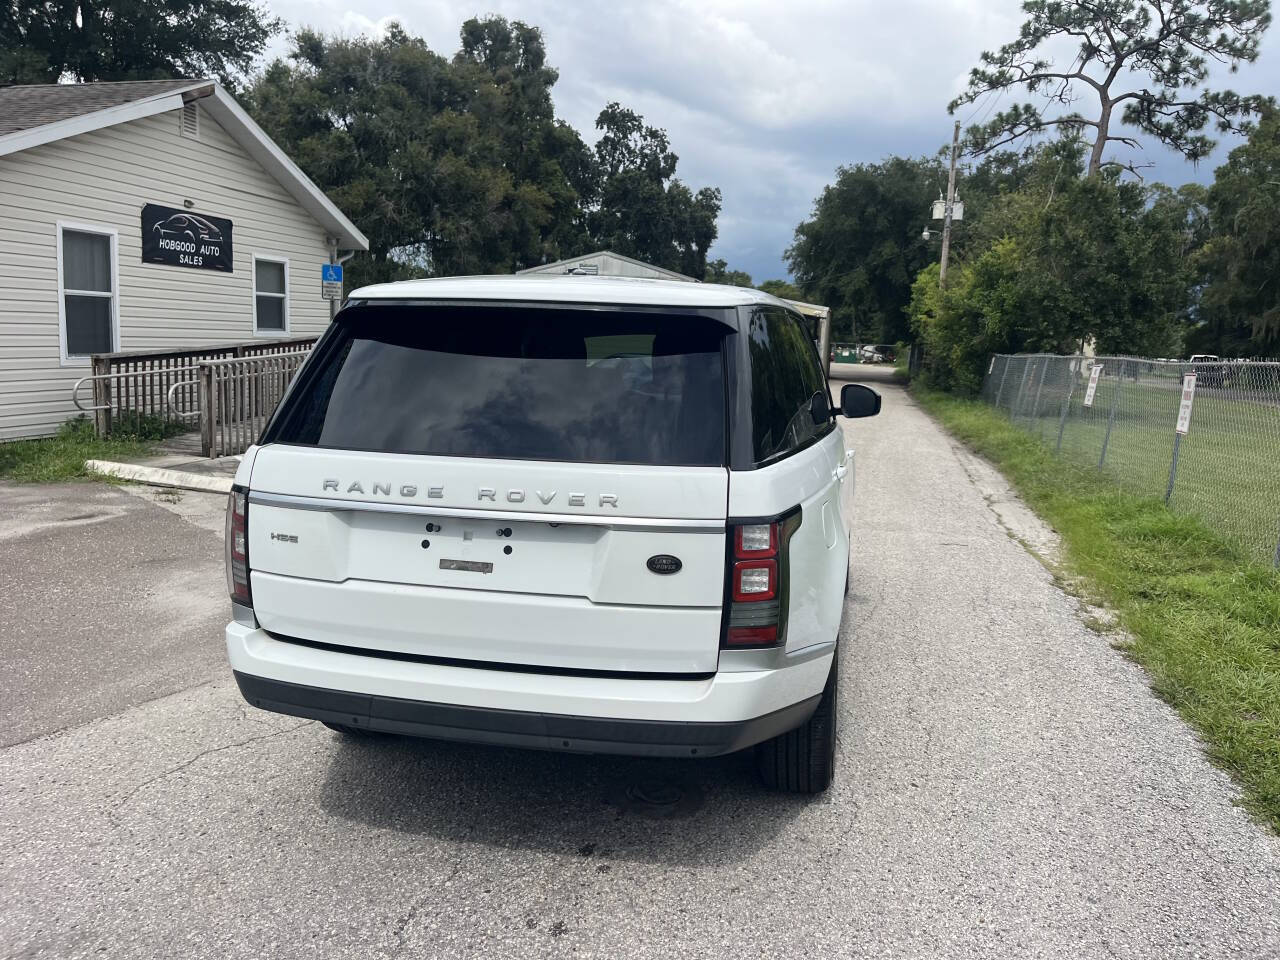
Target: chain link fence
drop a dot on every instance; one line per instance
(1205, 436)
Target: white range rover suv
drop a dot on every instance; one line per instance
(576, 513)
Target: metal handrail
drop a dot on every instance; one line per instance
(119, 375)
(224, 362)
(168, 399)
(232, 361)
(75, 394)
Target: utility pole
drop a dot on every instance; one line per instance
(951, 200)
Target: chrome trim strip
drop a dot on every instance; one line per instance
(292, 502)
(243, 615)
(772, 658)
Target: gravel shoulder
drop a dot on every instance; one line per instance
(1008, 787)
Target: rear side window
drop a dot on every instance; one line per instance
(512, 383)
(784, 378)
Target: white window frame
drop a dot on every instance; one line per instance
(254, 278)
(66, 359)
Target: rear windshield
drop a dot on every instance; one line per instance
(528, 384)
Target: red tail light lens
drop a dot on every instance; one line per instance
(752, 636)
(237, 547)
(756, 592)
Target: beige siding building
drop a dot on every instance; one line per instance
(145, 216)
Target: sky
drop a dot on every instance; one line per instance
(761, 99)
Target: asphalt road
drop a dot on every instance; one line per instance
(106, 602)
(1008, 787)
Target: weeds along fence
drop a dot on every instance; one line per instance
(1203, 436)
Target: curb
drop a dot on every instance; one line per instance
(159, 477)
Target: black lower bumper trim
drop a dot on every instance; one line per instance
(520, 728)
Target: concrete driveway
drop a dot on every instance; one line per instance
(1008, 787)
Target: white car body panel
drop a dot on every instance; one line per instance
(820, 547)
(472, 483)
(351, 548)
(490, 626)
(725, 697)
(551, 288)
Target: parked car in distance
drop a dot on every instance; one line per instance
(870, 354)
(579, 513)
(1209, 369)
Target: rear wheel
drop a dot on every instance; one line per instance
(803, 760)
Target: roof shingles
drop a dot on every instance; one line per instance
(25, 107)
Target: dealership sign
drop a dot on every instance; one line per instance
(182, 238)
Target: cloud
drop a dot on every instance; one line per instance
(762, 99)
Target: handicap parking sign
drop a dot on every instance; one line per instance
(331, 281)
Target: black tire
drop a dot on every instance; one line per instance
(803, 760)
(355, 733)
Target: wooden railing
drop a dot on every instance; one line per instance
(162, 383)
(238, 396)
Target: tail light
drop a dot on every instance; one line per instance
(237, 547)
(757, 587)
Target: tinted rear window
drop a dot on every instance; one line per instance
(785, 375)
(529, 384)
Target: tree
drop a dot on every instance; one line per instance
(860, 250)
(1240, 305)
(448, 166)
(509, 61)
(1150, 58)
(718, 272)
(643, 211)
(1062, 260)
(782, 289)
(47, 41)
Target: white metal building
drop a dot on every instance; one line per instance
(148, 215)
(606, 263)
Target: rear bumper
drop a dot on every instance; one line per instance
(517, 728)
(702, 717)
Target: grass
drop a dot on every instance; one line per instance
(1199, 615)
(62, 457)
(1227, 463)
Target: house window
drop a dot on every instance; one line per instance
(86, 259)
(270, 297)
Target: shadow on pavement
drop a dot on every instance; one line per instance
(673, 812)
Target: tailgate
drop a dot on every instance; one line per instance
(512, 562)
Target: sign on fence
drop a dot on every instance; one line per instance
(1184, 408)
(1093, 384)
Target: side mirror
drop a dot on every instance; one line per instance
(859, 401)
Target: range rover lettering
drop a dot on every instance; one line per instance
(574, 513)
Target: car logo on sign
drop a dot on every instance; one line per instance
(664, 563)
